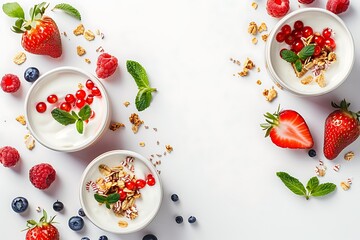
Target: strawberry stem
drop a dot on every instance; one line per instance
(271, 121)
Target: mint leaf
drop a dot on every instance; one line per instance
(312, 184)
(289, 56)
(292, 183)
(306, 52)
(298, 65)
(113, 198)
(138, 73)
(143, 98)
(107, 205)
(80, 126)
(85, 112)
(13, 10)
(99, 198)
(323, 189)
(75, 115)
(67, 8)
(63, 117)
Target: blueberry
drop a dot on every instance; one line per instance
(103, 237)
(149, 237)
(192, 219)
(179, 219)
(31, 74)
(174, 197)
(76, 223)
(312, 153)
(58, 206)
(85, 238)
(81, 212)
(19, 204)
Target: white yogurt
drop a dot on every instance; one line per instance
(46, 129)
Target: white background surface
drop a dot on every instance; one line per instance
(221, 167)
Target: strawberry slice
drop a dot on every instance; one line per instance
(288, 129)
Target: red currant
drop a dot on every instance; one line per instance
(296, 33)
(41, 107)
(327, 33)
(286, 29)
(65, 106)
(317, 50)
(289, 40)
(122, 194)
(140, 183)
(298, 25)
(96, 91)
(307, 31)
(89, 84)
(90, 98)
(130, 185)
(331, 43)
(319, 40)
(297, 45)
(52, 98)
(280, 37)
(150, 181)
(80, 94)
(69, 98)
(80, 103)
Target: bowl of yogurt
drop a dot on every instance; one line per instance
(67, 109)
(120, 192)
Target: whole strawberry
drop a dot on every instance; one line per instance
(342, 127)
(42, 230)
(42, 175)
(40, 34)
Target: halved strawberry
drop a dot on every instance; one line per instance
(40, 34)
(287, 129)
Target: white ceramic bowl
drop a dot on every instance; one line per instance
(45, 129)
(281, 71)
(148, 205)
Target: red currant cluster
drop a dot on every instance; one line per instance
(293, 37)
(79, 99)
(138, 184)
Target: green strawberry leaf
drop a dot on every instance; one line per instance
(113, 198)
(85, 112)
(19, 23)
(138, 73)
(312, 184)
(67, 8)
(298, 65)
(306, 52)
(99, 198)
(292, 183)
(13, 10)
(143, 98)
(289, 56)
(80, 126)
(323, 189)
(63, 117)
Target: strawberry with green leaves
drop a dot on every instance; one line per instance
(42, 230)
(287, 129)
(40, 34)
(342, 128)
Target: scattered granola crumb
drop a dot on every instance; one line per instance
(141, 144)
(237, 62)
(21, 119)
(244, 72)
(159, 155)
(336, 168)
(252, 29)
(157, 143)
(136, 122)
(38, 209)
(97, 32)
(320, 171)
(126, 104)
(80, 50)
(258, 69)
(116, 125)
(89, 35)
(306, 80)
(65, 34)
(270, 94)
(169, 148)
(158, 171)
(249, 64)
(100, 49)
(349, 156)
(345, 186)
(80, 86)
(87, 60)
(254, 40)
(264, 37)
(19, 58)
(155, 129)
(79, 30)
(258, 82)
(123, 224)
(146, 127)
(262, 27)
(102, 36)
(254, 5)
(320, 80)
(29, 142)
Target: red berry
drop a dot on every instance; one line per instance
(10, 83)
(130, 185)
(337, 6)
(331, 43)
(150, 181)
(80, 103)
(286, 29)
(89, 84)
(69, 98)
(319, 40)
(122, 194)
(289, 40)
(106, 65)
(9, 156)
(140, 183)
(327, 32)
(96, 91)
(298, 25)
(65, 106)
(307, 31)
(41, 107)
(80, 94)
(90, 98)
(306, 1)
(317, 50)
(280, 37)
(52, 98)
(296, 33)
(42, 175)
(277, 8)
(297, 45)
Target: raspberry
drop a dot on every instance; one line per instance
(9, 156)
(277, 8)
(337, 6)
(10, 83)
(42, 175)
(106, 65)
(306, 1)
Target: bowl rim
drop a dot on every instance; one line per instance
(104, 95)
(271, 38)
(125, 153)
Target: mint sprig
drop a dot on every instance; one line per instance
(313, 187)
(68, 9)
(107, 200)
(66, 118)
(144, 95)
(296, 59)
